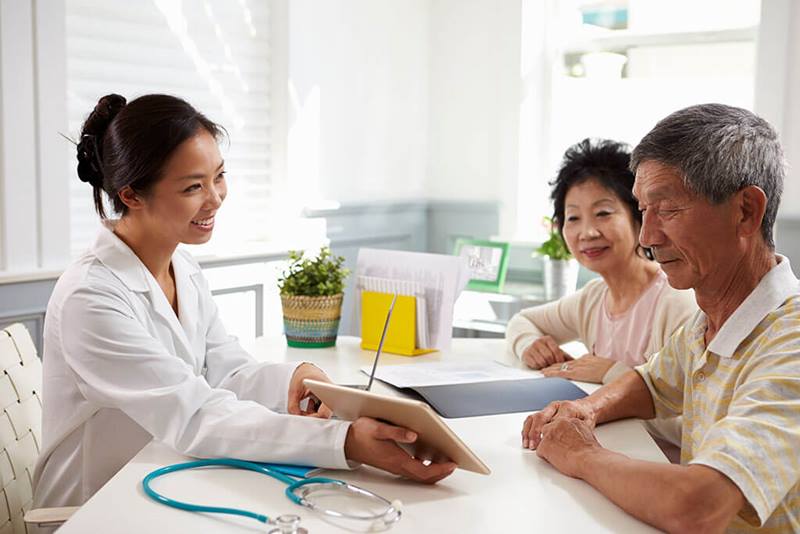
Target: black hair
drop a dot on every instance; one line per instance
(127, 144)
(603, 160)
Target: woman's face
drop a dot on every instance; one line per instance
(598, 227)
(182, 205)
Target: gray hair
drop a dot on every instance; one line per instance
(718, 150)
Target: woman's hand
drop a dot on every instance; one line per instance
(298, 392)
(544, 352)
(588, 368)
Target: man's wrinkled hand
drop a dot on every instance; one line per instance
(532, 429)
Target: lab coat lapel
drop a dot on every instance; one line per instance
(126, 266)
(188, 296)
(162, 307)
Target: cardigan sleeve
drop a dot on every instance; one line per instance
(567, 319)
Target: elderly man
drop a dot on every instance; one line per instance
(709, 181)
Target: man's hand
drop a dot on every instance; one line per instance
(588, 368)
(298, 392)
(533, 428)
(372, 442)
(544, 352)
(564, 441)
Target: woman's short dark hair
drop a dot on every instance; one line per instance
(127, 144)
(603, 160)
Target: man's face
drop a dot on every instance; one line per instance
(691, 239)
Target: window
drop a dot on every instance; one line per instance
(213, 53)
(613, 68)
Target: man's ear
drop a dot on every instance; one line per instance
(130, 198)
(752, 205)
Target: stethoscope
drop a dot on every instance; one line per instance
(299, 490)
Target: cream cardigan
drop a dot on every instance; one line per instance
(575, 316)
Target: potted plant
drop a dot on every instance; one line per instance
(560, 268)
(311, 296)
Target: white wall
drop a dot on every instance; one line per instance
(778, 86)
(475, 93)
(358, 119)
(404, 99)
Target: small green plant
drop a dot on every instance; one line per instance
(318, 277)
(555, 248)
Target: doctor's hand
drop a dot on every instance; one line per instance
(588, 368)
(372, 442)
(544, 352)
(533, 428)
(298, 391)
(564, 441)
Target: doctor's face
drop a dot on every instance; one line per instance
(182, 205)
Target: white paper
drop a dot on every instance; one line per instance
(442, 278)
(441, 373)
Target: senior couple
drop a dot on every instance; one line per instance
(716, 370)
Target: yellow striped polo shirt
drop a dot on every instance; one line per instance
(740, 399)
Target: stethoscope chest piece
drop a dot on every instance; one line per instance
(286, 524)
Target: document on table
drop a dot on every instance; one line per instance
(442, 373)
(441, 276)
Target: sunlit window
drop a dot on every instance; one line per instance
(616, 67)
(213, 53)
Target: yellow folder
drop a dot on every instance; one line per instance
(401, 334)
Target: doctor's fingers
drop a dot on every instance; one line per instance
(399, 434)
(427, 474)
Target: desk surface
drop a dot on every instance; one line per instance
(523, 492)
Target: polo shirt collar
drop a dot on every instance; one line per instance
(773, 290)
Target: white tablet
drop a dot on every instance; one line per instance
(435, 440)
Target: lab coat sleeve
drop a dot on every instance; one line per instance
(230, 367)
(118, 364)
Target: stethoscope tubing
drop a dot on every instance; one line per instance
(292, 486)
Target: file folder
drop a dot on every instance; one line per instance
(401, 334)
(500, 396)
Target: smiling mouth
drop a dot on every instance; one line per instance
(594, 251)
(204, 223)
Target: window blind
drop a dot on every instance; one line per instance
(213, 53)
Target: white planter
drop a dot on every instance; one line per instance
(560, 277)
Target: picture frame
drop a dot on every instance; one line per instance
(487, 261)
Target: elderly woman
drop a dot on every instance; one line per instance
(626, 314)
(709, 181)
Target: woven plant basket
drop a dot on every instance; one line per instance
(311, 322)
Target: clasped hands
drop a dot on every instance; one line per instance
(546, 355)
(561, 434)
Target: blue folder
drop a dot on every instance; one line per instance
(501, 396)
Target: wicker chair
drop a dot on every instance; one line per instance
(21, 433)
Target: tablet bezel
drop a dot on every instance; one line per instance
(435, 442)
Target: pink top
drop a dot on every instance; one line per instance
(624, 337)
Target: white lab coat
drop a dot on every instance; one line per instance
(121, 369)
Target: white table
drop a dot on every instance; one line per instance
(523, 493)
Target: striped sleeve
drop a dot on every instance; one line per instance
(664, 375)
(756, 445)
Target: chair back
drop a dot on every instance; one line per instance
(20, 425)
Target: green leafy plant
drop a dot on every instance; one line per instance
(555, 248)
(313, 277)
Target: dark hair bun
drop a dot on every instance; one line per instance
(90, 168)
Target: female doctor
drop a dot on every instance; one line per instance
(134, 348)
